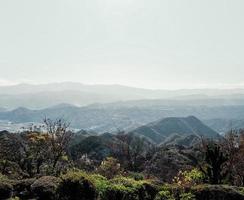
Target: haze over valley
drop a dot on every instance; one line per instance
(121, 100)
(108, 108)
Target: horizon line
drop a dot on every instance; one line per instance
(219, 86)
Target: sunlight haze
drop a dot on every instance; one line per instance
(167, 44)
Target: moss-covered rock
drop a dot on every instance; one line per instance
(120, 192)
(217, 192)
(45, 188)
(22, 188)
(76, 186)
(200, 192)
(6, 188)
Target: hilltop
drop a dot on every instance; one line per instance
(160, 130)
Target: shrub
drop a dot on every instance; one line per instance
(189, 178)
(215, 159)
(3, 178)
(101, 183)
(136, 176)
(122, 188)
(165, 195)
(148, 191)
(45, 187)
(119, 192)
(174, 192)
(22, 188)
(187, 196)
(109, 168)
(217, 192)
(6, 188)
(76, 185)
(15, 198)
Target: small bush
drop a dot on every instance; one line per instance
(6, 188)
(136, 176)
(119, 192)
(45, 187)
(217, 192)
(148, 191)
(122, 188)
(101, 183)
(189, 178)
(22, 188)
(109, 168)
(165, 194)
(187, 196)
(174, 192)
(76, 185)
(15, 198)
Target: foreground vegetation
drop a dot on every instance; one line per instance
(56, 164)
(79, 185)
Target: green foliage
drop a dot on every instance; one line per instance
(76, 185)
(165, 195)
(125, 181)
(194, 175)
(187, 196)
(136, 176)
(3, 178)
(101, 183)
(215, 160)
(241, 190)
(112, 182)
(119, 192)
(124, 188)
(110, 167)
(15, 198)
(6, 188)
(173, 192)
(189, 178)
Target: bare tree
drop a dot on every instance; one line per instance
(233, 145)
(60, 137)
(132, 150)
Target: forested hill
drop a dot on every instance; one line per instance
(160, 130)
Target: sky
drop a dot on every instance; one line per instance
(167, 44)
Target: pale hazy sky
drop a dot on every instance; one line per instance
(144, 43)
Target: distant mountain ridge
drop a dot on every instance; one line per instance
(160, 130)
(46, 95)
(111, 118)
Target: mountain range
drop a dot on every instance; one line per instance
(111, 118)
(47, 95)
(109, 108)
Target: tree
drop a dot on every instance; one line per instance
(131, 151)
(11, 152)
(214, 159)
(37, 150)
(233, 145)
(60, 137)
(240, 162)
